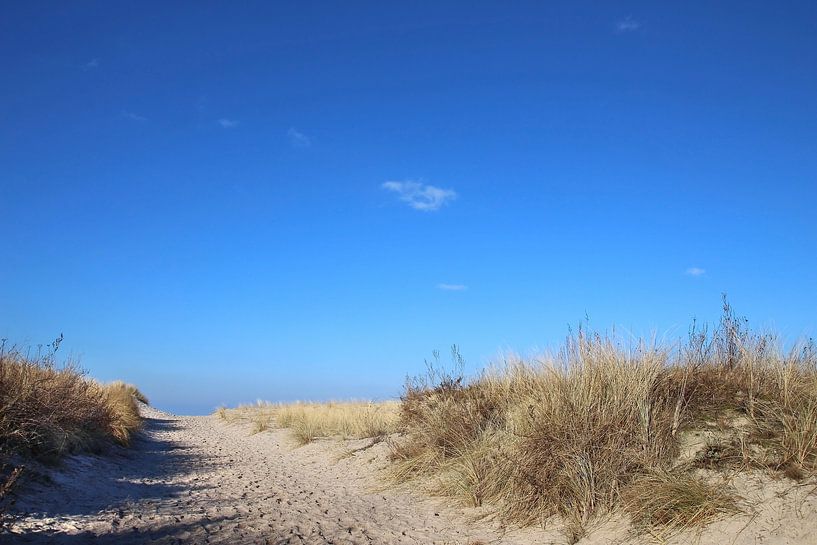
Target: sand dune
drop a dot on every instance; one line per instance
(192, 479)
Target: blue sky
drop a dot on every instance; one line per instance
(222, 203)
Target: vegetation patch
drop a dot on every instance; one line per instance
(665, 502)
(602, 425)
(309, 421)
(47, 411)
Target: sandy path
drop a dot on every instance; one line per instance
(198, 480)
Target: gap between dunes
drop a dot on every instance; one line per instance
(198, 480)
(195, 479)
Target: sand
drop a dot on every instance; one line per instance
(196, 479)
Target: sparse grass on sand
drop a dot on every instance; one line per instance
(603, 425)
(308, 421)
(47, 411)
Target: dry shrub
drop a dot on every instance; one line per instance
(788, 431)
(569, 435)
(597, 417)
(473, 472)
(556, 437)
(446, 418)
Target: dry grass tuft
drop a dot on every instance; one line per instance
(131, 391)
(121, 400)
(666, 502)
(583, 432)
(309, 421)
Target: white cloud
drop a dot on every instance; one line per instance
(695, 271)
(90, 65)
(134, 117)
(227, 123)
(297, 139)
(628, 24)
(452, 287)
(421, 196)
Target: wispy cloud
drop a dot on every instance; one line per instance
(90, 65)
(421, 196)
(695, 271)
(628, 24)
(134, 117)
(452, 287)
(227, 123)
(297, 139)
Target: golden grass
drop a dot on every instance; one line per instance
(47, 411)
(667, 502)
(121, 400)
(130, 390)
(308, 421)
(599, 424)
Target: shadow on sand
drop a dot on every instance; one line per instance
(85, 485)
(137, 495)
(173, 534)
